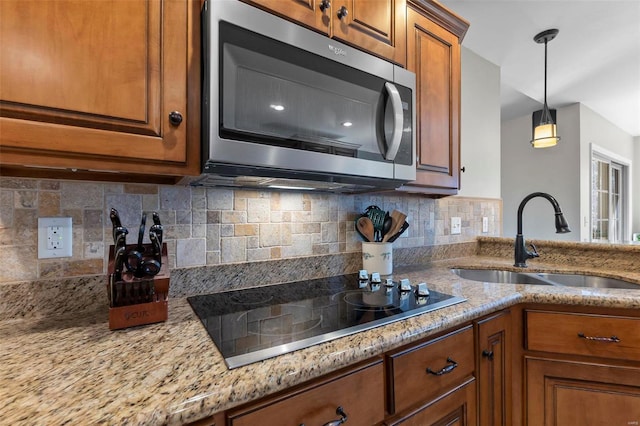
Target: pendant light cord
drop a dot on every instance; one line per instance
(545, 72)
(546, 115)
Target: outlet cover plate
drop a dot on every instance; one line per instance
(456, 225)
(485, 225)
(55, 237)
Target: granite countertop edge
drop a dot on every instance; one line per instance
(57, 371)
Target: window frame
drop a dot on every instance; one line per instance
(623, 165)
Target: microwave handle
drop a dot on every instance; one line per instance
(398, 118)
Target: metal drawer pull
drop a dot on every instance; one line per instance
(342, 419)
(445, 369)
(488, 354)
(612, 339)
(342, 12)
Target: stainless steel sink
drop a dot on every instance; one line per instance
(496, 276)
(538, 278)
(576, 280)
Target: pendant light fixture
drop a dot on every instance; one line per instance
(545, 133)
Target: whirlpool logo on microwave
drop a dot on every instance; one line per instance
(337, 50)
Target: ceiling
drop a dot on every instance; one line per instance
(594, 60)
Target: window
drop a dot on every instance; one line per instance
(608, 199)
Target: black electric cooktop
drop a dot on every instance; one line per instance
(258, 323)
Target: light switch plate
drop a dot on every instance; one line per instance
(456, 225)
(55, 237)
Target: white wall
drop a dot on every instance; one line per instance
(635, 227)
(480, 127)
(554, 170)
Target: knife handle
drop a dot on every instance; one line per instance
(115, 217)
(143, 224)
(158, 230)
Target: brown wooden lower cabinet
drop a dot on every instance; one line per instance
(493, 353)
(580, 366)
(457, 407)
(422, 372)
(588, 334)
(528, 365)
(357, 393)
(561, 392)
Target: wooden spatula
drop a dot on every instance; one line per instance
(397, 220)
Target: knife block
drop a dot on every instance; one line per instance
(154, 309)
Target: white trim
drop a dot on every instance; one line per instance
(627, 184)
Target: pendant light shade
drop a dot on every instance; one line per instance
(545, 133)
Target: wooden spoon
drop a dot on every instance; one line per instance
(365, 226)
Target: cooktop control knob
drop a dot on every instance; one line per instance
(375, 278)
(363, 278)
(363, 275)
(422, 290)
(405, 284)
(389, 282)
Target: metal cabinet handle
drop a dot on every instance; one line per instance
(324, 5)
(444, 370)
(342, 419)
(487, 354)
(612, 339)
(175, 118)
(342, 12)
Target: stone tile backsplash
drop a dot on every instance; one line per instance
(213, 226)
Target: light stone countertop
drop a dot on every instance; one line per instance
(56, 371)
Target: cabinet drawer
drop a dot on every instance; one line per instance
(455, 408)
(425, 371)
(359, 391)
(583, 334)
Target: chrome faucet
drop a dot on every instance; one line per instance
(521, 252)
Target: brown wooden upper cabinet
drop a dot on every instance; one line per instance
(377, 26)
(100, 85)
(434, 35)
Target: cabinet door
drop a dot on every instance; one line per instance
(575, 393)
(433, 53)
(315, 14)
(358, 391)
(457, 408)
(92, 84)
(378, 26)
(494, 369)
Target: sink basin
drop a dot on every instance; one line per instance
(576, 280)
(496, 276)
(538, 278)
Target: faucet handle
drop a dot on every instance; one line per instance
(533, 253)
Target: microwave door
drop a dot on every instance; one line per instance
(290, 101)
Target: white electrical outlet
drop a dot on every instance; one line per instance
(456, 225)
(55, 237)
(55, 240)
(485, 225)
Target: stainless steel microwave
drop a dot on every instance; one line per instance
(286, 107)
